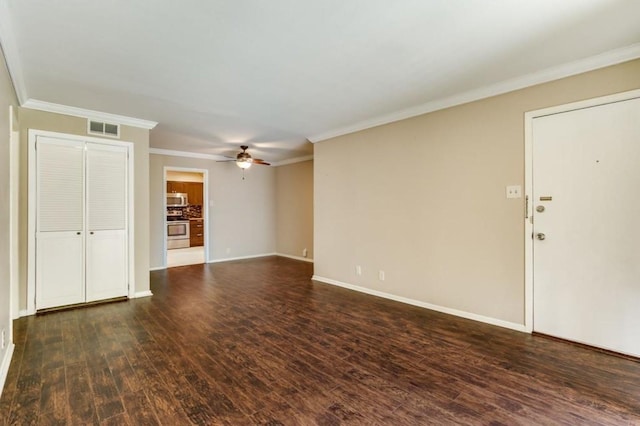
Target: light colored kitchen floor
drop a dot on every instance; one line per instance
(185, 256)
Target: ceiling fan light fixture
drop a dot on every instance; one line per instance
(243, 164)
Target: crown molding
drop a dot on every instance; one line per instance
(89, 114)
(10, 51)
(580, 66)
(292, 161)
(187, 154)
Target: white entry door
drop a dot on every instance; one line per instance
(586, 226)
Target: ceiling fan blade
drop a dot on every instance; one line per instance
(258, 161)
(225, 161)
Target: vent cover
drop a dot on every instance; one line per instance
(103, 129)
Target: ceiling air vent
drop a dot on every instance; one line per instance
(104, 129)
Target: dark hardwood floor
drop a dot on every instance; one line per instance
(257, 342)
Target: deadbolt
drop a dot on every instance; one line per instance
(540, 236)
(540, 209)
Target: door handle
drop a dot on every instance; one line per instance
(540, 236)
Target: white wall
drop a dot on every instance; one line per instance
(242, 213)
(7, 99)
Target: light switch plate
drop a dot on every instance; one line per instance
(514, 191)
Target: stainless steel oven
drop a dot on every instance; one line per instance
(177, 234)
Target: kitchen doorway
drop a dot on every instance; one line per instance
(186, 213)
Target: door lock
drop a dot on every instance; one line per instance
(540, 236)
(540, 209)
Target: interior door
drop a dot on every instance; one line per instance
(107, 268)
(59, 223)
(586, 257)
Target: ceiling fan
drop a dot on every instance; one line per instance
(244, 160)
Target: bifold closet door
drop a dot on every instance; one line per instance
(59, 223)
(106, 267)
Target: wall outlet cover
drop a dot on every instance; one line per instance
(514, 191)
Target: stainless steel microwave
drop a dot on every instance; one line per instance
(177, 199)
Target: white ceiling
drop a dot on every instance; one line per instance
(275, 73)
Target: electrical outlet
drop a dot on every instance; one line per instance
(514, 191)
(228, 250)
(304, 253)
(381, 275)
(358, 270)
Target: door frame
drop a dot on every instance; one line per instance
(14, 214)
(31, 220)
(205, 203)
(528, 183)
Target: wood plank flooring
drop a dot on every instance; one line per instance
(257, 342)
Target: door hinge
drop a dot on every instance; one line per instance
(526, 207)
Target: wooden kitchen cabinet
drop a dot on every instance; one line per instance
(195, 192)
(196, 232)
(175, 186)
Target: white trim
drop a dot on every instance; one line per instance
(146, 293)
(24, 313)
(157, 268)
(292, 161)
(528, 181)
(4, 367)
(10, 50)
(602, 60)
(131, 222)
(14, 216)
(229, 259)
(187, 154)
(89, 114)
(443, 309)
(304, 259)
(31, 213)
(172, 153)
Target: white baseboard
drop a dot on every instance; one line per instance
(139, 294)
(157, 268)
(23, 313)
(443, 309)
(304, 259)
(228, 259)
(4, 367)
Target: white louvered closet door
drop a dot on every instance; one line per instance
(107, 200)
(59, 223)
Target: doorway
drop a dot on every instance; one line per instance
(583, 266)
(186, 213)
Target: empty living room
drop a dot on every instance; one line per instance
(319, 213)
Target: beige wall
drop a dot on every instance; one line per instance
(424, 199)
(294, 209)
(40, 120)
(7, 99)
(241, 212)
